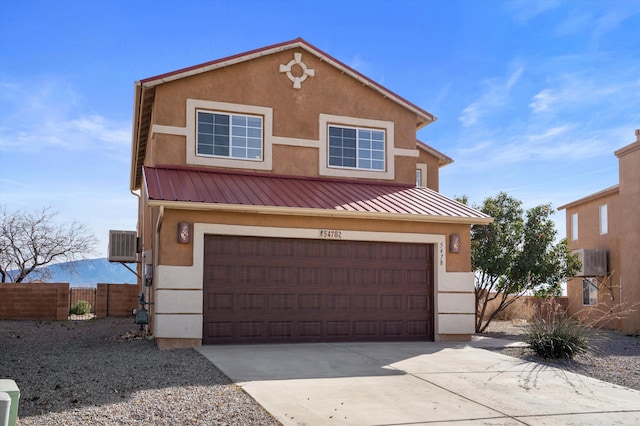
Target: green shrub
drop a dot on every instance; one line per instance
(82, 307)
(561, 337)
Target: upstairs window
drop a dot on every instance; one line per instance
(418, 178)
(356, 148)
(604, 220)
(574, 226)
(229, 135)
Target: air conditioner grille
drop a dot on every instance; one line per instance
(594, 262)
(123, 246)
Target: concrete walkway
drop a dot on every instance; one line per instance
(418, 383)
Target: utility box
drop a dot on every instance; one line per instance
(9, 387)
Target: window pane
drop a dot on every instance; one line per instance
(604, 220)
(239, 120)
(205, 149)
(221, 119)
(216, 131)
(364, 164)
(221, 150)
(574, 226)
(204, 117)
(239, 131)
(205, 128)
(377, 136)
(254, 122)
(239, 152)
(377, 165)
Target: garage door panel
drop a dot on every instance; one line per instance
(355, 291)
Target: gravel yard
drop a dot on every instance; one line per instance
(101, 372)
(617, 359)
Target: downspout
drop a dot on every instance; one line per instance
(156, 257)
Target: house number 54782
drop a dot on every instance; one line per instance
(330, 234)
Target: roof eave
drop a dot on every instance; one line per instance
(604, 193)
(424, 118)
(296, 211)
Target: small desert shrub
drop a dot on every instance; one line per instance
(82, 307)
(560, 337)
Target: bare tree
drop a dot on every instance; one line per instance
(32, 239)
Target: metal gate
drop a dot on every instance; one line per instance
(82, 303)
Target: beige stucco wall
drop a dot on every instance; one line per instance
(629, 218)
(295, 123)
(589, 237)
(620, 292)
(295, 113)
(179, 288)
(173, 253)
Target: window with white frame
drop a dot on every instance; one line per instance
(574, 226)
(221, 134)
(356, 148)
(589, 292)
(604, 220)
(418, 177)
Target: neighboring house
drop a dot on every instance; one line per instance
(278, 203)
(604, 230)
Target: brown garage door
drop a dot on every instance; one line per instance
(259, 290)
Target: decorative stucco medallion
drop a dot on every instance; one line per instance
(297, 79)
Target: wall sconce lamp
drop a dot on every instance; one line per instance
(454, 243)
(184, 233)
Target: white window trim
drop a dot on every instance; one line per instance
(358, 147)
(189, 132)
(230, 115)
(604, 219)
(423, 174)
(386, 126)
(574, 226)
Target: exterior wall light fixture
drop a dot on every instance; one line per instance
(184, 233)
(454, 243)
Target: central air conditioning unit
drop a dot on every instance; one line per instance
(123, 246)
(594, 262)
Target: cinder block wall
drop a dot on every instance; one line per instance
(116, 300)
(34, 301)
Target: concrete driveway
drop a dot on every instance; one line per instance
(417, 383)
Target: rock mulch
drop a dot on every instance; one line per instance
(104, 372)
(615, 358)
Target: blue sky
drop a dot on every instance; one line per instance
(532, 97)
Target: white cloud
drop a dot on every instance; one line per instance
(573, 92)
(51, 114)
(496, 95)
(525, 10)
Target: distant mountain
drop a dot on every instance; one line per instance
(89, 272)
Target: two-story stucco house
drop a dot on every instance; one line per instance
(604, 230)
(284, 197)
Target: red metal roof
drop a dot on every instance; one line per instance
(167, 185)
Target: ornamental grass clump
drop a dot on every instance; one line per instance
(560, 337)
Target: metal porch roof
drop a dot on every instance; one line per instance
(202, 188)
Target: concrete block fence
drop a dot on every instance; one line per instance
(51, 301)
